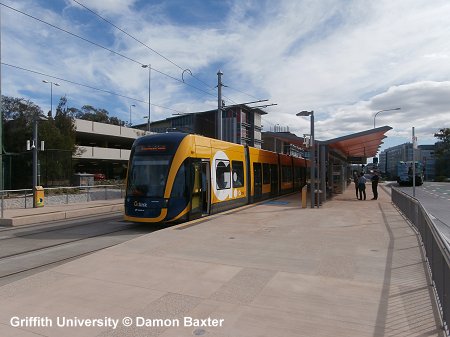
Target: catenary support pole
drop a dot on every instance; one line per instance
(219, 105)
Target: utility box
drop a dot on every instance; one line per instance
(83, 179)
(39, 194)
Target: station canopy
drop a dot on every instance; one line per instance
(287, 137)
(359, 145)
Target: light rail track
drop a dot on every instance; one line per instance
(23, 253)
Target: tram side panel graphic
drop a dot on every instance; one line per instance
(228, 175)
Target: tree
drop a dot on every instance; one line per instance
(17, 122)
(443, 153)
(90, 113)
(58, 134)
(444, 139)
(18, 114)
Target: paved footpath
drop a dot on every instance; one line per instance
(28, 216)
(351, 268)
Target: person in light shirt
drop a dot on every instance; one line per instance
(362, 186)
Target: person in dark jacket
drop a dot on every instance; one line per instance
(362, 186)
(375, 179)
(355, 180)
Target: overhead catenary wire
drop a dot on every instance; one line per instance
(117, 53)
(156, 52)
(127, 34)
(243, 92)
(70, 33)
(139, 41)
(106, 48)
(88, 86)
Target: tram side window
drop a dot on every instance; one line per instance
(223, 174)
(287, 174)
(179, 185)
(266, 174)
(296, 174)
(238, 173)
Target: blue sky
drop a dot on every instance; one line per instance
(343, 59)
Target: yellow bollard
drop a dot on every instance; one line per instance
(304, 195)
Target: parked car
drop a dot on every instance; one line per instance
(99, 176)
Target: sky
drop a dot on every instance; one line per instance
(343, 59)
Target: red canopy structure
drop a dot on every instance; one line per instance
(359, 145)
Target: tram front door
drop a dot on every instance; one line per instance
(200, 196)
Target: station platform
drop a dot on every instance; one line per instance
(27, 216)
(350, 268)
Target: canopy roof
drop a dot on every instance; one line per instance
(363, 144)
(287, 137)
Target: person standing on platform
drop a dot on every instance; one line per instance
(362, 186)
(375, 179)
(355, 180)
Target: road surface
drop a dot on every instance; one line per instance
(435, 198)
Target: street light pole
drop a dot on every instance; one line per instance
(312, 158)
(376, 114)
(414, 146)
(149, 92)
(51, 95)
(35, 149)
(130, 112)
(219, 105)
(2, 184)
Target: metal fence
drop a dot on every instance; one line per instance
(55, 167)
(436, 249)
(60, 195)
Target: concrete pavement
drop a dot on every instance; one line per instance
(27, 216)
(351, 268)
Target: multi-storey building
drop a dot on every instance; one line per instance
(426, 156)
(103, 148)
(284, 142)
(241, 124)
(390, 157)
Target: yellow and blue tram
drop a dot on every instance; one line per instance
(178, 177)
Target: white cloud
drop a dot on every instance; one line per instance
(343, 59)
(106, 7)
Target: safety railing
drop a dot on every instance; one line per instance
(437, 250)
(60, 195)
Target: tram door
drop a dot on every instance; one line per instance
(257, 175)
(196, 194)
(206, 188)
(200, 200)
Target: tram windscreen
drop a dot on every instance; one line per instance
(148, 176)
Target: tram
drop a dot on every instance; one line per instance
(175, 177)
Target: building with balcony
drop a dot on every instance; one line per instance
(285, 142)
(103, 148)
(241, 124)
